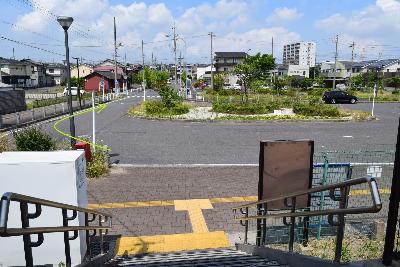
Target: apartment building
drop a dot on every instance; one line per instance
(301, 53)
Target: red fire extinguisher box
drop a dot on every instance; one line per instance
(86, 147)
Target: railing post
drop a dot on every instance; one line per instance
(67, 248)
(101, 235)
(246, 227)
(27, 237)
(292, 224)
(322, 196)
(344, 195)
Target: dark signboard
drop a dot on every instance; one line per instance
(12, 101)
(285, 167)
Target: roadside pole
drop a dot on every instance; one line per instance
(93, 122)
(373, 101)
(101, 86)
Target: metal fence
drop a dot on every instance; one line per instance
(331, 167)
(23, 118)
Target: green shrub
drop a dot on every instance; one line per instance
(395, 92)
(315, 109)
(158, 108)
(4, 144)
(170, 97)
(33, 139)
(98, 165)
(154, 107)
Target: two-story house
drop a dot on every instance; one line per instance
(83, 68)
(57, 72)
(15, 72)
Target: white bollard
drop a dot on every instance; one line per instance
(33, 114)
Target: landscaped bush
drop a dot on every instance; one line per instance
(223, 92)
(98, 165)
(158, 108)
(33, 139)
(315, 109)
(4, 144)
(170, 97)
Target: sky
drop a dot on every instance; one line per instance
(29, 27)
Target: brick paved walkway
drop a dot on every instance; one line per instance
(141, 184)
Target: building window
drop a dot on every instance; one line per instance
(225, 69)
(225, 60)
(51, 70)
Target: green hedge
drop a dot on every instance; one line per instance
(312, 107)
(158, 108)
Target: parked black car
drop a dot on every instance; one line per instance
(334, 97)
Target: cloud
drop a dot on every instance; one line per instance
(373, 28)
(284, 14)
(378, 19)
(230, 20)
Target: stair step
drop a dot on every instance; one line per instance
(209, 258)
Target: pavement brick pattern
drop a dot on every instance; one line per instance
(151, 201)
(163, 183)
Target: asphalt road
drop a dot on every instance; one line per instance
(139, 141)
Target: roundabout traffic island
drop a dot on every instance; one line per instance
(189, 111)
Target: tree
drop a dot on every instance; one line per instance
(306, 83)
(74, 82)
(136, 78)
(184, 77)
(281, 82)
(254, 68)
(159, 79)
(218, 82)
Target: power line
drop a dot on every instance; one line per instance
(31, 46)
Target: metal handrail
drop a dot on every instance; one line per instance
(367, 179)
(26, 231)
(290, 203)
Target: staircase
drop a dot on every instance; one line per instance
(199, 258)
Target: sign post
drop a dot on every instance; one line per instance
(373, 101)
(101, 85)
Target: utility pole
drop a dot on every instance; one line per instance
(352, 62)
(176, 74)
(115, 60)
(79, 86)
(180, 70)
(143, 74)
(336, 56)
(272, 47)
(212, 58)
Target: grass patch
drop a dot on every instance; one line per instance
(158, 109)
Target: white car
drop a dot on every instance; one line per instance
(74, 91)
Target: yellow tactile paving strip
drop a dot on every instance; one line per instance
(160, 203)
(201, 238)
(194, 207)
(171, 243)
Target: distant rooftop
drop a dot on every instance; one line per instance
(231, 54)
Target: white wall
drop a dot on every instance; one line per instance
(58, 176)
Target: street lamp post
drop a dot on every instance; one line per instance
(65, 23)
